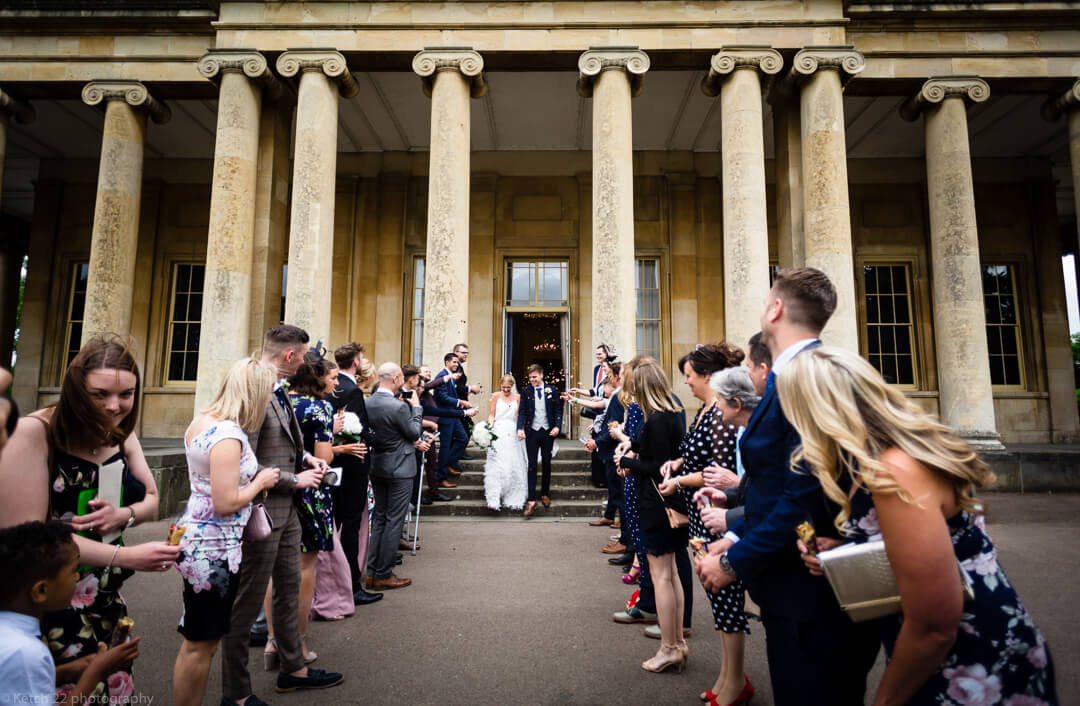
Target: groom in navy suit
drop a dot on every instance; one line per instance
(538, 422)
(817, 655)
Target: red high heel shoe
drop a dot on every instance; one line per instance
(744, 696)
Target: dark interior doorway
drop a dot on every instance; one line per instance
(536, 338)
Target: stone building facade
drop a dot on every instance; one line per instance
(537, 177)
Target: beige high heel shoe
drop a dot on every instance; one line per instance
(684, 650)
(658, 665)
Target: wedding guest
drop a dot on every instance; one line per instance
(464, 389)
(604, 354)
(816, 654)
(53, 463)
(505, 468)
(411, 375)
(41, 563)
(222, 474)
(452, 436)
(278, 444)
(758, 362)
(659, 443)
(351, 497)
(538, 421)
(894, 470)
(433, 415)
(710, 443)
(606, 443)
(393, 463)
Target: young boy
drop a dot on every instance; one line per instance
(39, 562)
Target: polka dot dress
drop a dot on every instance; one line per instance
(712, 442)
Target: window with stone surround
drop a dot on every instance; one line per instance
(185, 321)
(647, 299)
(1002, 325)
(76, 308)
(416, 317)
(889, 323)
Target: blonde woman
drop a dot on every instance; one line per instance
(895, 471)
(506, 469)
(225, 479)
(658, 444)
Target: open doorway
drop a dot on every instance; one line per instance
(537, 338)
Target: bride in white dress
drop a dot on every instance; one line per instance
(505, 470)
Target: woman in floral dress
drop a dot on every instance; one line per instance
(899, 474)
(222, 474)
(52, 467)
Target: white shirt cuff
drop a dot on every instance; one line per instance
(732, 536)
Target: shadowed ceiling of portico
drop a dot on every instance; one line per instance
(538, 110)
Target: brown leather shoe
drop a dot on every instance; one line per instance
(406, 544)
(546, 500)
(369, 582)
(530, 508)
(447, 484)
(453, 472)
(391, 582)
(602, 522)
(616, 525)
(614, 548)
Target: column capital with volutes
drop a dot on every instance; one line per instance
(1063, 104)
(429, 61)
(214, 64)
(16, 108)
(630, 59)
(970, 89)
(330, 62)
(763, 59)
(134, 93)
(843, 59)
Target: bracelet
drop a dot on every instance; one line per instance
(677, 483)
(111, 560)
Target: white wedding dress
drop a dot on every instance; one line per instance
(505, 470)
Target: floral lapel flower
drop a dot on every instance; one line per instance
(547, 390)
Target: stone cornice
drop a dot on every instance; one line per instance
(1065, 103)
(133, 93)
(629, 59)
(247, 61)
(466, 60)
(725, 62)
(969, 88)
(12, 107)
(329, 61)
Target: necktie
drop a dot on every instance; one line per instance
(539, 394)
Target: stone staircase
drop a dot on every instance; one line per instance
(572, 491)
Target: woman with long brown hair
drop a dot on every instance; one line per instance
(54, 466)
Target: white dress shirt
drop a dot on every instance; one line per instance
(26, 667)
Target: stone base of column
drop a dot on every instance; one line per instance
(983, 441)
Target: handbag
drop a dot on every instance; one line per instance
(259, 525)
(676, 519)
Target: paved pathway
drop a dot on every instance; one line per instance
(519, 613)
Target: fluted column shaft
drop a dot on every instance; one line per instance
(963, 359)
(821, 71)
(311, 227)
(450, 77)
(737, 73)
(612, 76)
(115, 234)
(226, 311)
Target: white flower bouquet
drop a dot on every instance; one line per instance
(350, 432)
(483, 437)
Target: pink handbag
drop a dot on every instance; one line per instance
(259, 525)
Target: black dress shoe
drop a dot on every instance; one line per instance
(315, 679)
(624, 559)
(252, 700)
(441, 498)
(257, 639)
(425, 500)
(363, 597)
(397, 560)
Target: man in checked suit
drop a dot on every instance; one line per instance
(278, 443)
(350, 498)
(817, 655)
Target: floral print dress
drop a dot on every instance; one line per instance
(999, 657)
(315, 506)
(212, 543)
(97, 604)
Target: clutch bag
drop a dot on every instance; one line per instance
(862, 579)
(259, 525)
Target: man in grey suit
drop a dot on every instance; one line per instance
(397, 426)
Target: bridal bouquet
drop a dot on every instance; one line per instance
(350, 433)
(483, 437)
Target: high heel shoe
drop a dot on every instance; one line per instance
(657, 666)
(744, 696)
(270, 659)
(684, 650)
(631, 577)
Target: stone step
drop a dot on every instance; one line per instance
(559, 479)
(477, 508)
(568, 451)
(471, 491)
(557, 466)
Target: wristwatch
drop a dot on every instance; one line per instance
(725, 564)
(131, 520)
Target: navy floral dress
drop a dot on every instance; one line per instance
(999, 657)
(634, 421)
(712, 442)
(315, 506)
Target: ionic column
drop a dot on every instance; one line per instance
(14, 247)
(821, 73)
(323, 75)
(115, 235)
(241, 76)
(735, 73)
(966, 396)
(451, 76)
(612, 76)
(1069, 103)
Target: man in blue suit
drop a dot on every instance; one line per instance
(452, 437)
(816, 654)
(538, 422)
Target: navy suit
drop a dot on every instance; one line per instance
(816, 654)
(539, 440)
(452, 436)
(605, 449)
